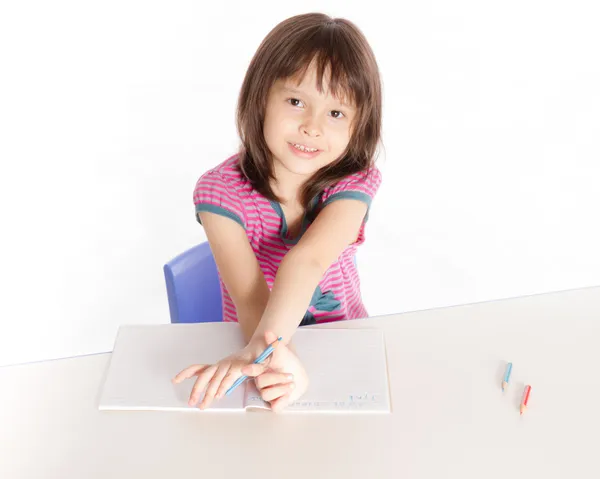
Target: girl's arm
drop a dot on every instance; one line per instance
(300, 271)
(238, 268)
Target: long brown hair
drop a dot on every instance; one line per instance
(286, 52)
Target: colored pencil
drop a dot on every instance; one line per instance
(264, 355)
(525, 401)
(506, 376)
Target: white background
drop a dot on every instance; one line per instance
(109, 113)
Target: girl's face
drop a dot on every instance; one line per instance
(298, 118)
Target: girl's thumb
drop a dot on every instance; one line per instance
(270, 336)
(253, 370)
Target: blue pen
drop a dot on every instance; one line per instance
(506, 376)
(264, 355)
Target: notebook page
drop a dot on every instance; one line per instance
(347, 370)
(146, 357)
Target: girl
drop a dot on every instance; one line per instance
(285, 215)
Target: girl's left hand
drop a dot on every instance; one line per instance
(280, 380)
(218, 378)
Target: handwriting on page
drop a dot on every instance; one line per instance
(354, 401)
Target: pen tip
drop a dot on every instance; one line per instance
(279, 338)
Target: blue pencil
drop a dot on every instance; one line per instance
(264, 355)
(506, 376)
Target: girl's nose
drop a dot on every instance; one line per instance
(311, 128)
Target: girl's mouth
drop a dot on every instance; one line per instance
(303, 152)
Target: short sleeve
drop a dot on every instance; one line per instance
(214, 194)
(361, 186)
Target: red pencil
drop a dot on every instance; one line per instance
(525, 399)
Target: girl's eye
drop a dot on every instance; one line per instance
(335, 113)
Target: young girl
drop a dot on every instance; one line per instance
(285, 215)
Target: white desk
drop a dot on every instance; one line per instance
(450, 418)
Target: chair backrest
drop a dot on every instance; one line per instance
(193, 287)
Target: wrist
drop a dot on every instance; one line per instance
(256, 346)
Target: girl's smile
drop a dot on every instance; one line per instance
(303, 153)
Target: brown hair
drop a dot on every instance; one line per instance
(286, 52)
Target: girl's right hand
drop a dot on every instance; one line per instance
(281, 379)
(215, 379)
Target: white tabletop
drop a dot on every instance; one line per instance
(449, 419)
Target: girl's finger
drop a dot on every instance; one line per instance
(254, 370)
(280, 403)
(189, 372)
(271, 393)
(214, 384)
(227, 382)
(270, 336)
(203, 378)
(271, 378)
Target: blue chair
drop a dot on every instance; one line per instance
(193, 287)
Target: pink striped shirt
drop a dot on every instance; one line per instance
(226, 191)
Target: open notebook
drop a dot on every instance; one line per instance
(346, 367)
